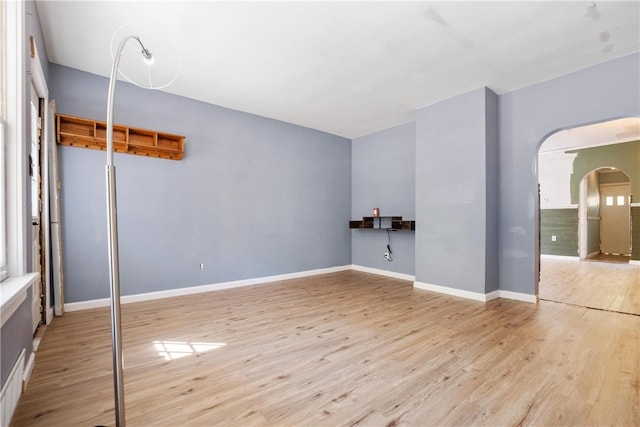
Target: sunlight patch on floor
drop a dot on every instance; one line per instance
(172, 350)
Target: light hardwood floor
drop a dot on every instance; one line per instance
(340, 349)
(602, 285)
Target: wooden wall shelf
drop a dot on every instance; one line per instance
(87, 133)
(383, 223)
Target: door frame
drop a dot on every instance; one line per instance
(39, 82)
(38, 297)
(583, 214)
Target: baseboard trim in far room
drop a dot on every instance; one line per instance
(634, 262)
(564, 257)
(592, 254)
(148, 296)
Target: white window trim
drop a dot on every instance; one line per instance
(3, 224)
(14, 136)
(13, 290)
(3, 186)
(4, 273)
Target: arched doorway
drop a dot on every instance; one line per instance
(589, 181)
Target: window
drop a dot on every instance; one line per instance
(620, 201)
(3, 216)
(3, 173)
(12, 113)
(609, 201)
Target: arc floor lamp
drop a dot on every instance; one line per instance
(141, 69)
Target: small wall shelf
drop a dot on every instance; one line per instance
(86, 133)
(383, 223)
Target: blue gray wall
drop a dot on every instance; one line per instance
(527, 116)
(255, 197)
(456, 192)
(252, 197)
(383, 176)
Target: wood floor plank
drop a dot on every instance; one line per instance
(603, 285)
(340, 349)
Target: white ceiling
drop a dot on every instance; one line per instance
(349, 68)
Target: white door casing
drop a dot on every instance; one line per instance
(36, 300)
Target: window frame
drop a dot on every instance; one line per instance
(4, 271)
(12, 113)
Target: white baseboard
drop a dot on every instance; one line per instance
(592, 254)
(381, 272)
(518, 296)
(87, 305)
(492, 295)
(126, 299)
(12, 390)
(564, 257)
(477, 296)
(634, 262)
(28, 369)
(542, 208)
(104, 302)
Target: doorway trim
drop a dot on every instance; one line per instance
(583, 214)
(40, 84)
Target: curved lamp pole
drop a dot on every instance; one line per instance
(112, 239)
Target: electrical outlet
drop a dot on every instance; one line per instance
(387, 256)
(202, 266)
(553, 238)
